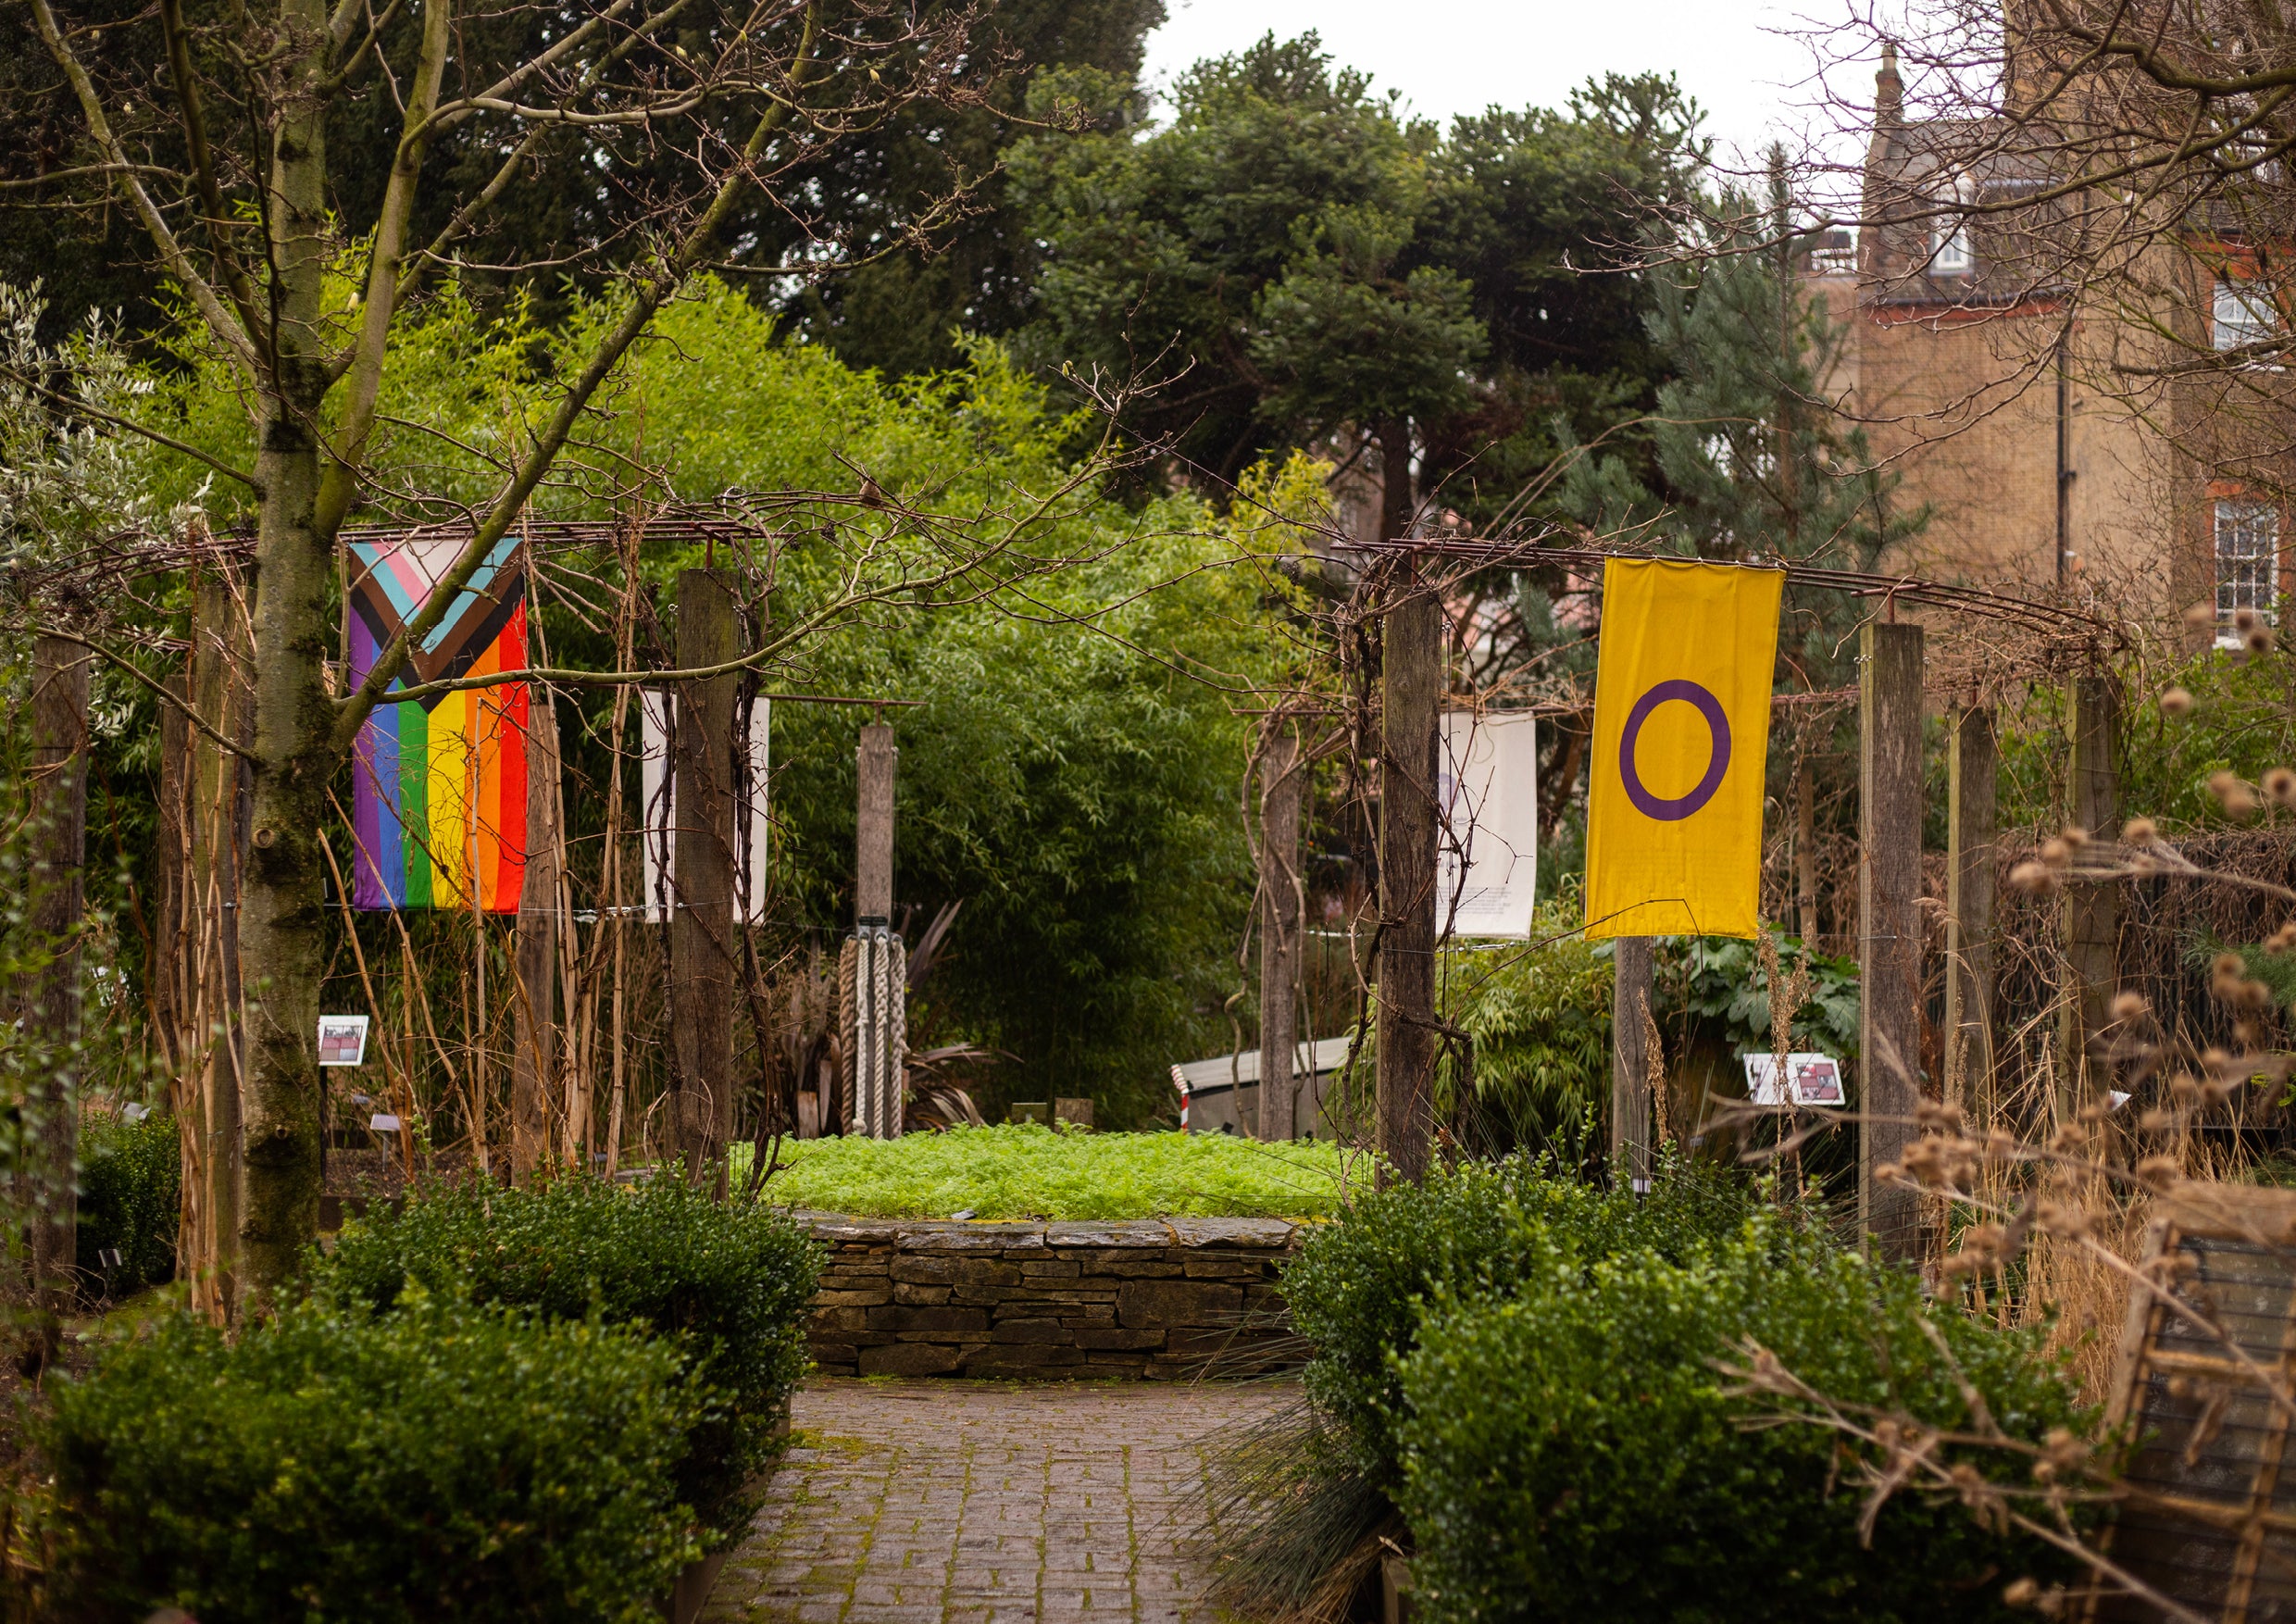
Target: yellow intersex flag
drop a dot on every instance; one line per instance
(1681, 745)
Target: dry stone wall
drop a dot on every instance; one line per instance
(1147, 1299)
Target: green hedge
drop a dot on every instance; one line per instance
(438, 1462)
(131, 1183)
(1355, 1290)
(1568, 1452)
(730, 1285)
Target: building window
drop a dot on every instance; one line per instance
(2248, 562)
(1949, 251)
(2243, 313)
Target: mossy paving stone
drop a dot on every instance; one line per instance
(985, 1503)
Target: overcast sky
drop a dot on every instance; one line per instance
(1450, 56)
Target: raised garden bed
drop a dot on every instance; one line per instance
(1152, 1298)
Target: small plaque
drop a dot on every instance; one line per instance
(341, 1040)
(1812, 1080)
(383, 1122)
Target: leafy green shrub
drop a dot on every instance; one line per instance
(1569, 1451)
(440, 1462)
(130, 1181)
(1024, 1170)
(1539, 1022)
(1356, 1289)
(1720, 982)
(730, 1285)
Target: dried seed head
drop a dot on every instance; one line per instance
(2090, 1116)
(2245, 621)
(2140, 831)
(2257, 641)
(2280, 785)
(2200, 614)
(2176, 703)
(2281, 939)
(2228, 967)
(2034, 879)
(2128, 1006)
(2073, 835)
(2160, 1171)
(2057, 853)
(2253, 995)
(2184, 1088)
(2236, 797)
(2021, 1593)
(2156, 1121)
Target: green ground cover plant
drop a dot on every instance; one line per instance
(1028, 1172)
(727, 1286)
(442, 1461)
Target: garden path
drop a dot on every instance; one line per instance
(943, 1502)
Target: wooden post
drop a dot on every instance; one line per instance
(173, 1000)
(1631, 1027)
(2092, 912)
(872, 975)
(701, 914)
(1281, 780)
(876, 760)
(1805, 854)
(222, 693)
(1411, 690)
(1890, 932)
(1969, 870)
(534, 955)
(49, 1001)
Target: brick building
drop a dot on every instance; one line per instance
(2059, 433)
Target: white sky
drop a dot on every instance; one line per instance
(1451, 57)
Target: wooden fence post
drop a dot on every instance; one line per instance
(49, 1002)
(872, 969)
(535, 952)
(1631, 1027)
(1970, 876)
(1411, 690)
(223, 696)
(1281, 780)
(702, 916)
(876, 762)
(1890, 930)
(2092, 910)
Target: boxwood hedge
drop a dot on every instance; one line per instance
(728, 1285)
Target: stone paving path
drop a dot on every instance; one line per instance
(984, 1503)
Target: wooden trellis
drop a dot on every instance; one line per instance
(2208, 1387)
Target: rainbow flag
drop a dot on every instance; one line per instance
(439, 785)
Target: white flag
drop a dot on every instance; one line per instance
(1489, 806)
(657, 790)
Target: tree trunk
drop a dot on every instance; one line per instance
(1411, 686)
(50, 1003)
(1281, 779)
(533, 1059)
(282, 909)
(701, 916)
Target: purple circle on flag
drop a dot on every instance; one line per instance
(1674, 809)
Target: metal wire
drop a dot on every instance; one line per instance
(2032, 615)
